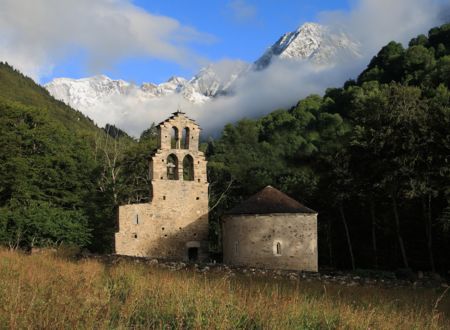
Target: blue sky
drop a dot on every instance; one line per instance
(236, 30)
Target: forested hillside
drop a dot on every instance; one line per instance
(372, 157)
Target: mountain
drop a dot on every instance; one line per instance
(93, 95)
(89, 92)
(312, 42)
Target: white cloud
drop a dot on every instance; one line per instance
(259, 92)
(35, 35)
(281, 85)
(242, 11)
(376, 22)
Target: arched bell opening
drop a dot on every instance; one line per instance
(185, 138)
(188, 168)
(172, 167)
(174, 138)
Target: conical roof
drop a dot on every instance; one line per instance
(270, 200)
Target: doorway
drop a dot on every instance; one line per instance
(193, 253)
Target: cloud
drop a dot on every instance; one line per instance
(258, 92)
(36, 35)
(376, 22)
(242, 11)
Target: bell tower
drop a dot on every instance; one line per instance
(174, 225)
(178, 157)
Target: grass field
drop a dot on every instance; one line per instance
(45, 291)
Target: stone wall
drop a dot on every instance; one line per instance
(251, 240)
(174, 225)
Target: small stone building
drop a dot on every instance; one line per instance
(174, 224)
(271, 230)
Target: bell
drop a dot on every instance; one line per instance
(171, 167)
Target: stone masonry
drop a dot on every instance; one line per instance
(174, 225)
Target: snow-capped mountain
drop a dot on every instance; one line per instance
(218, 78)
(312, 42)
(89, 92)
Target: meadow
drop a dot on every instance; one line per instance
(48, 291)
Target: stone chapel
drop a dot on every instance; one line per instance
(174, 224)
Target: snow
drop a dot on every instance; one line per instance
(312, 42)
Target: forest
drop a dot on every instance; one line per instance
(372, 157)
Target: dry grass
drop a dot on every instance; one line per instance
(48, 292)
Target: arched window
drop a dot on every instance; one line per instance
(185, 138)
(172, 167)
(188, 168)
(175, 139)
(277, 248)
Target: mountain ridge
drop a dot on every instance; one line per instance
(310, 42)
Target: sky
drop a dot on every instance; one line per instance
(150, 41)
(240, 30)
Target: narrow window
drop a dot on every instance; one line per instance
(172, 167)
(175, 139)
(185, 138)
(236, 247)
(136, 219)
(279, 248)
(188, 168)
(276, 248)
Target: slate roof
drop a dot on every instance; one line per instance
(270, 200)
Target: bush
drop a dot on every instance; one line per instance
(40, 224)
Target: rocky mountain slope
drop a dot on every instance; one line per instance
(313, 42)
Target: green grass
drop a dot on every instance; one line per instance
(45, 291)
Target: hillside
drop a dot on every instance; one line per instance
(55, 178)
(15, 87)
